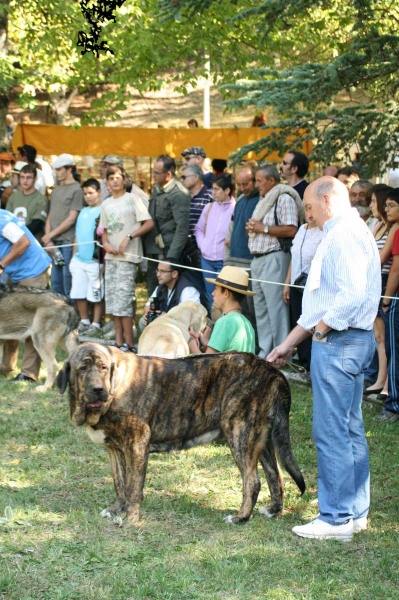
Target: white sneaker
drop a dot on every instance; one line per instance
(359, 524)
(320, 530)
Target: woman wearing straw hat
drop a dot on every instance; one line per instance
(232, 331)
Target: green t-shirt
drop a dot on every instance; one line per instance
(27, 207)
(233, 332)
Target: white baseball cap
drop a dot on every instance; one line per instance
(64, 160)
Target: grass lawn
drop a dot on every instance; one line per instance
(55, 546)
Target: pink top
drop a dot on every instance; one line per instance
(212, 227)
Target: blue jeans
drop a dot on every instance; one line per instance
(210, 265)
(61, 278)
(338, 432)
(391, 320)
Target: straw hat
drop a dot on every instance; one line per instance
(233, 278)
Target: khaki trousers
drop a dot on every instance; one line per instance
(31, 360)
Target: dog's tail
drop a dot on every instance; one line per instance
(71, 339)
(281, 432)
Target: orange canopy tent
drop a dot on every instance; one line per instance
(126, 141)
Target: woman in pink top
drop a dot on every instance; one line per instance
(212, 227)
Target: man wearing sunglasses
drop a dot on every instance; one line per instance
(196, 156)
(172, 289)
(293, 168)
(192, 178)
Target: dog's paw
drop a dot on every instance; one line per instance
(232, 520)
(41, 388)
(266, 512)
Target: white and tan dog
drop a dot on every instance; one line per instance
(47, 317)
(168, 335)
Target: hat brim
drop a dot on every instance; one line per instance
(231, 286)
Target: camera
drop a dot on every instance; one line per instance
(58, 258)
(154, 311)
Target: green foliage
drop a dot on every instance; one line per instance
(328, 69)
(335, 76)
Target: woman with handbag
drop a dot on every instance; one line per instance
(303, 249)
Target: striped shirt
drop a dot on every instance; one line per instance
(344, 284)
(385, 268)
(287, 214)
(197, 204)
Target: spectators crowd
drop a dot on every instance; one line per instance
(254, 221)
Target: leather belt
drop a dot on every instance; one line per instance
(255, 255)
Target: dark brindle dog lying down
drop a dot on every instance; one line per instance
(137, 405)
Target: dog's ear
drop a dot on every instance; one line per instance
(114, 378)
(63, 376)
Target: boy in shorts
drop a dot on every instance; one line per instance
(124, 218)
(232, 331)
(85, 266)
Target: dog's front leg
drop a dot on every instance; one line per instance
(136, 460)
(118, 466)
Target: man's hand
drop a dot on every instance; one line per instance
(286, 294)
(204, 336)
(253, 226)
(109, 248)
(49, 247)
(279, 355)
(46, 239)
(123, 246)
(193, 343)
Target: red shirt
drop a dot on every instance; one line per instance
(395, 245)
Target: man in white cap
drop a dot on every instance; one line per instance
(65, 204)
(232, 331)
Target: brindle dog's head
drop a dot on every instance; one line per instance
(92, 372)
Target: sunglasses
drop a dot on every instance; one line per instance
(286, 163)
(184, 177)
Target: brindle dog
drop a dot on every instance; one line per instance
(137, 405)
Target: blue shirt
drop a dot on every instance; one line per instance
(32, 262)
(344, 283)
(84, 232)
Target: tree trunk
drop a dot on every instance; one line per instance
(4, 89)
(60, 102)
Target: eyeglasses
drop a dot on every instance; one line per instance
(162, 271)
(184, 177)
(284, 162)
(189, 157)
(157, 172)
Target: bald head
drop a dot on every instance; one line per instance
(245, 180)
(326, 198)
(330, 171)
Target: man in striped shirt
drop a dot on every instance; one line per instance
(192, 178)
(339, 306)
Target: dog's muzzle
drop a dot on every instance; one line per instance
(95, 398)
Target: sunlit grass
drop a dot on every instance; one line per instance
(57, 482)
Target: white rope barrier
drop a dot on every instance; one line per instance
(291, 285)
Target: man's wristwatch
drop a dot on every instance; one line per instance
(383, 304)
(319, 335)
(266, 229)
(129, 235)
